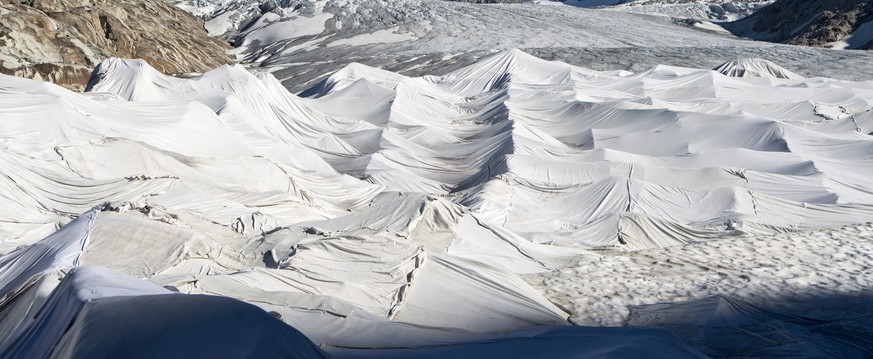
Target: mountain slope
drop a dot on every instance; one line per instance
(61, 40)
(823, 23)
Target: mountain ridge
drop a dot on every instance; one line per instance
(820, 23)
(61, 40)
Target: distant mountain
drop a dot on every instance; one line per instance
(61, 40)
(824, 23)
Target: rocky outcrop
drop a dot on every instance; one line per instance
(61, 40)
(812, 22)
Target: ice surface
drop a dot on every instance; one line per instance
(416, 37)
(683, 9)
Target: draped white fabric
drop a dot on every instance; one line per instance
(385, 211)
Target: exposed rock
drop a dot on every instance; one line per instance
(812, 23)
(61, 40)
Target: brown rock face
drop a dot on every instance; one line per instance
(808, 22)
(61, 40)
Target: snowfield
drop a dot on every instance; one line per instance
(671, 212)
